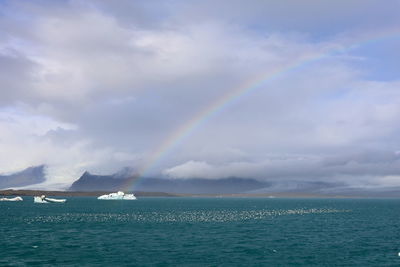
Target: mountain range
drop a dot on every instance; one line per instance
(127, 180)
(29, 176)
(123, 179)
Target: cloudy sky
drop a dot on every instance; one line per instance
(273, 90)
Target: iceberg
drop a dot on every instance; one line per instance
(11, 199)
(44, 199)
(117, 196)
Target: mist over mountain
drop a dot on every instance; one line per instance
(232, 185)
(127, 179)
(121, 179)
(295, 186)
(327, 189)
(29, 176)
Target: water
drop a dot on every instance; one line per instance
(201, 232)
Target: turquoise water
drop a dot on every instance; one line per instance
(201, 232)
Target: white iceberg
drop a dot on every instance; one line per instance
(11, 199)
(44, 199)
(118, 196)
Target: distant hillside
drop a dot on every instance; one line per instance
(11, 192)
(293, 186)
(118, 181)
(92, 182)
(231, 185)
(29, 176)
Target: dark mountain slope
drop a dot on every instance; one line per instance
(122, 180)
(29, 176)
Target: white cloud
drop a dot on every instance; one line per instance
(369, 168)
(95, 88)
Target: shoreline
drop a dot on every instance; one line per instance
(11, 192)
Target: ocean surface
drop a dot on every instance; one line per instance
(201, 232)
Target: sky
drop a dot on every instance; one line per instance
(272, 90)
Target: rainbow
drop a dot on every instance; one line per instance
(258, 81)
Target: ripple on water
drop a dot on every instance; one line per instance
(183, 216)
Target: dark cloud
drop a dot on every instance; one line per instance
(15, 77)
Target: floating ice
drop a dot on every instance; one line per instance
(11, 199)
(118, 196)
(44, 199)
